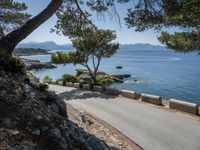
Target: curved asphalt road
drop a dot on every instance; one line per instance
(152, 127)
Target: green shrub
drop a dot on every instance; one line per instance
(47, 79)
(1, 51)
(68, 78)
(14, 65)
(101, 80)
(79, 72)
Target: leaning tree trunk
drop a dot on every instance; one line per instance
(1, 32)
(10, 41)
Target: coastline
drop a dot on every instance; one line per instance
(165, 79)
(32, 54)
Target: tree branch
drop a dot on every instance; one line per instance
(82, 13)
(93, 61)
(9, 42)
(90, 71)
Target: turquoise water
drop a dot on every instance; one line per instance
(164, 73)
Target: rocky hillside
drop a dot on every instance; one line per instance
(34, 119)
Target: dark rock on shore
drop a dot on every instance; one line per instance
(119, 67)
(31, 119)
(121, 76)
(85, 71)
(39, 65)
(84, 76)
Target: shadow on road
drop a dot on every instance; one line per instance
(77, 94)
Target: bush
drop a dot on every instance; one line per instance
(1, 52)
(47, 79)
(14, 65)
(68, 78)
(101, 80)
(79, 72)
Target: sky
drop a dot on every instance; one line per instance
(124, 35)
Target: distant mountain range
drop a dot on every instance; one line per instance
(141, 46)
(50, 45)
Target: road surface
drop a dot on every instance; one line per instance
(151, 127)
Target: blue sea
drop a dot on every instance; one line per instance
(160, 72)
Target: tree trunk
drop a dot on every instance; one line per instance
(9, 42)
(96, 69)
(1, 32)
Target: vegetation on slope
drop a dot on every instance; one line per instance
(30, 51)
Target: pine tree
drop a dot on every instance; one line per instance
(12, 16)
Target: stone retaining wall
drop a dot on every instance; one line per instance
(60, 83)
(77, 85)
(111, 91)
(128, 94)
(86, 86)
(188, 107)
(157, 100)
(69, 84)
(98, 88)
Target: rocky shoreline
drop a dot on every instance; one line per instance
(84, 76)
(37, 65)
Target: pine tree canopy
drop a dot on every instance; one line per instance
(163, 14)
(12, 16)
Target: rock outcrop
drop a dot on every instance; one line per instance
(40, 65)
(37, 120)
(84, 76)
(37, 65)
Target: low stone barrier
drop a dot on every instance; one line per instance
(157, 100)
(77, 85)
(98, 88)
(111, 91)
(137, 96)
(128, 94)
(188, 107)
(53, 82)
(86, 86)
(60, 83)
(69, 84)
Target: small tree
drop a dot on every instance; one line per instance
(91, 47)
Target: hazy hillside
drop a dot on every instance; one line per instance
(49, 45)
(141, 46)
